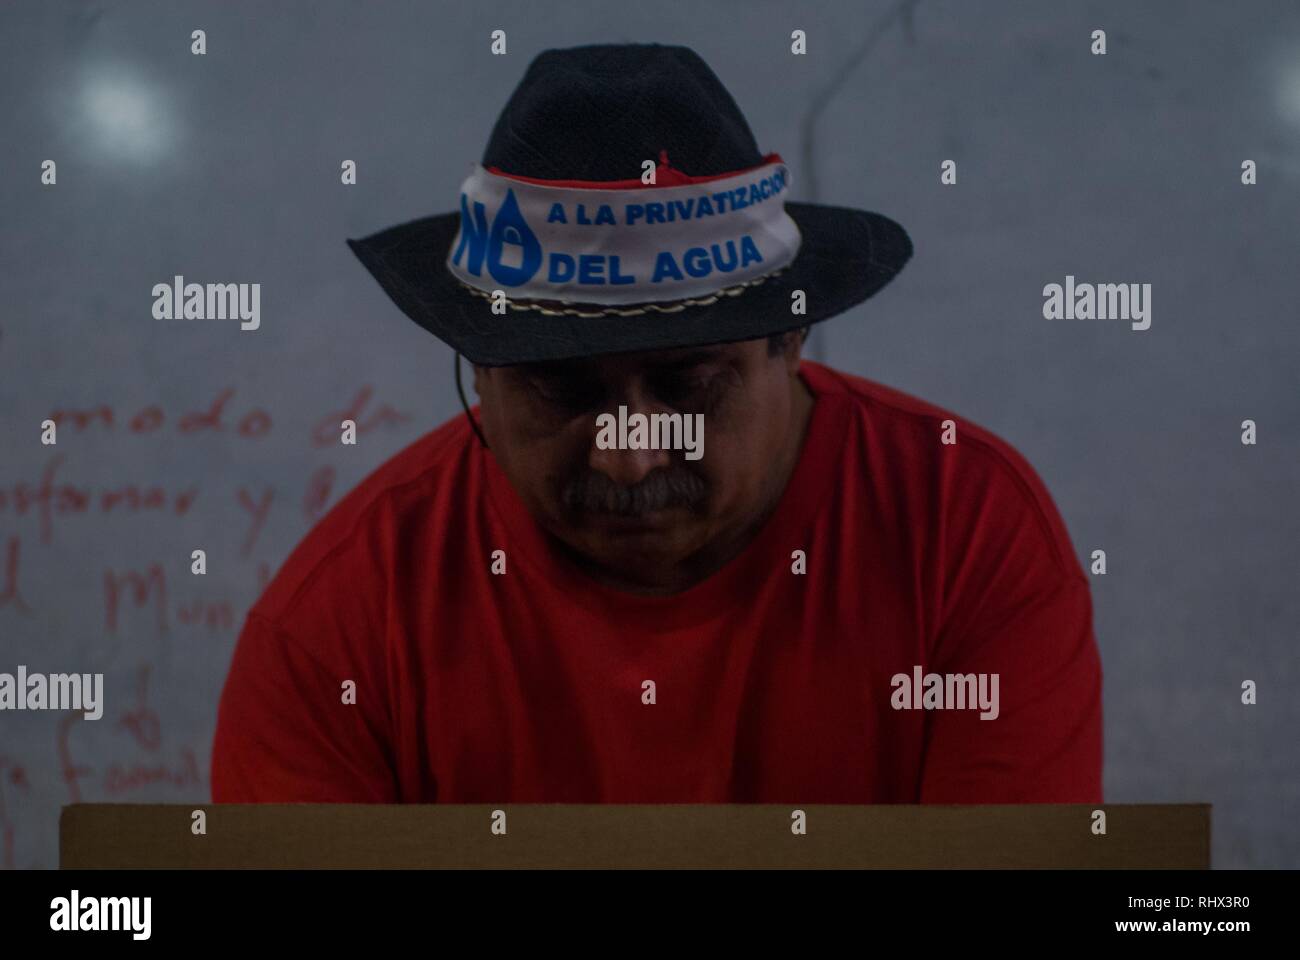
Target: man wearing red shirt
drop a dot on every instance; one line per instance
(852, 596)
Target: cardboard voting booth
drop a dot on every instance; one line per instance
(351, 836)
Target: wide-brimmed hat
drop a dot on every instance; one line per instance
(622, 204)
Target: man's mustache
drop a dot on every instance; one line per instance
(663, 487)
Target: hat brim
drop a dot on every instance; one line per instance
(845, 256)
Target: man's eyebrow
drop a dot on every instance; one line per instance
(554, 369)
(569, 369)
(686, 359)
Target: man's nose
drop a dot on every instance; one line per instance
(627, 467)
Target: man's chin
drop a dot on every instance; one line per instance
(629, 543)
(657, 522)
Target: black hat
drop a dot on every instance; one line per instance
(592, 260)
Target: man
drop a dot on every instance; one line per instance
(833, 593)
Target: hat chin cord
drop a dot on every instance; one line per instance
(460, 389)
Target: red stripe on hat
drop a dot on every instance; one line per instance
(665, 176)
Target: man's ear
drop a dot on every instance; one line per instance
(480, 379)
(794, 349)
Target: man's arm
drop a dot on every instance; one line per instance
(285, 734)
(1045, 745)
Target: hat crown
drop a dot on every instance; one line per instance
(599, 112)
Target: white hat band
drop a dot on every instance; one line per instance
(620, 246)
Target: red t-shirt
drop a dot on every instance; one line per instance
(770, 686)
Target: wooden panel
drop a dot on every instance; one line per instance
(625, 835)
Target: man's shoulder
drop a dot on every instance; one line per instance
(908, 421)
(348, 546)
(951, 467)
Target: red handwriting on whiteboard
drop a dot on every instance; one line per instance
(143, 588)
(329, 428)
(148, 590)
(213, 614)
(67, 498)
(70, 771)
(9, 578)
(12, 777)
(259, 511)
(253, 424)
(120, 778)
(141, 721)
(319, 488)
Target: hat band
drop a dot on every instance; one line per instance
(603, 246)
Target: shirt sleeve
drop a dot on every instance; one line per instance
(1045, 743)
(285, 733)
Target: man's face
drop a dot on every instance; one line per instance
(640, 514)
